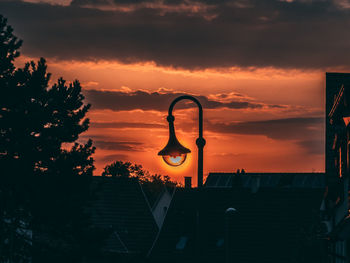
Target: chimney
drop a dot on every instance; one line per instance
(188, 182)
(255, 184)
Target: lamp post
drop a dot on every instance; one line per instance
(174, 153)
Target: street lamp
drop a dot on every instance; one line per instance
(174, 154)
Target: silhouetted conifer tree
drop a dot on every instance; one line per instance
(43, 185)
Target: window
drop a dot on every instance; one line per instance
(181, 244)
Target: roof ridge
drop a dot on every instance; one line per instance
(145, 197)
(160, 229)
(120, 240)
(158, 198)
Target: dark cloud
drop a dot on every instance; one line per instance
(159, 101)
(293, 34)
(118, 146)
(307, 133)
(280, 129)
(98, 3)
(113, 157)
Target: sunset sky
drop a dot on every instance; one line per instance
(257, 66)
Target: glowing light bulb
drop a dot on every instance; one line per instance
(175, 160)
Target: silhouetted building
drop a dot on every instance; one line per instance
(122, 209)
(336, 205)
(277, 220)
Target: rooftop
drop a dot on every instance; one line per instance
(273, 224)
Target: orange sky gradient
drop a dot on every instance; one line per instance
(302, 94)
(257, 66)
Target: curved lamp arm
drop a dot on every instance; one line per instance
(200, 112)
(200, 142)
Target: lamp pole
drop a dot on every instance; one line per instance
(200, 142)
(230, 213)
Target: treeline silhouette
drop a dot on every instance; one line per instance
(45, 187)
(130, 170)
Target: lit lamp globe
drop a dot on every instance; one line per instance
(175, 160)
(174, 154)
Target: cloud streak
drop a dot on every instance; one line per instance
(306, 132)
(160, 101)
(113, 157)
(279, 129)
(313, 146)
(118, 146)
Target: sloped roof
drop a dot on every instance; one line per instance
(121, 207)
(268, 180)
(272, 225)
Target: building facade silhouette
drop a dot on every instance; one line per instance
(335, 209)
